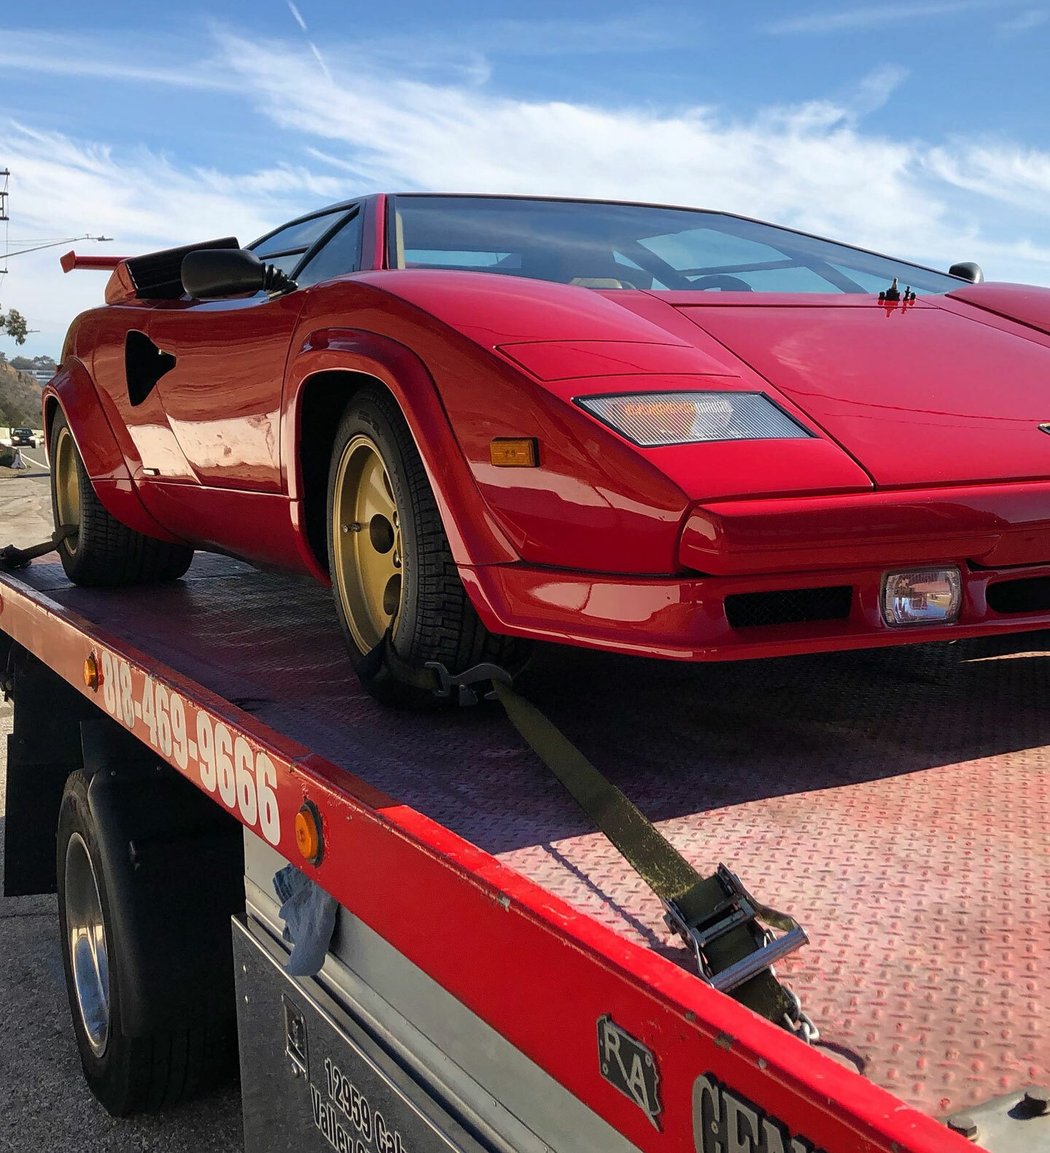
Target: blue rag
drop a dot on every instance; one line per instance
(308, 913)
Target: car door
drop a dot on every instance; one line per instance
(224, 366)
(221, 391)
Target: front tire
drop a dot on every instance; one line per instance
(390, 560)
(102, 551)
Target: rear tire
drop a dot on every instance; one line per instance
(102, 552)
(126, 1074)
(390, 560)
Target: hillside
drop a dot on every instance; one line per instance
(19, 399)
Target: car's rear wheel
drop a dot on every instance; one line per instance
(390, 561)
(101, 550)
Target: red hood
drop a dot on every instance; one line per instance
(917, 395)
(941, 391)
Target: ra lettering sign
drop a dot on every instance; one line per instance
(626, 1063)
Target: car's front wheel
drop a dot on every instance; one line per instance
(98, 549)
(391, 565)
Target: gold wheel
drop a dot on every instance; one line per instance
(366, 539)
(67, 485)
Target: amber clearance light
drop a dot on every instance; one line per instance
(92, 672)
(309, 837)
(514, 452)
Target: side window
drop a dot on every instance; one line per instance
(285, 248)
(341, 254)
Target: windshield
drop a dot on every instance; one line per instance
(636, 246)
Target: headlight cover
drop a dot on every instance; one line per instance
(652, 419)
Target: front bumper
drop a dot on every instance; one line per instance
(779, 576)
(735, 618)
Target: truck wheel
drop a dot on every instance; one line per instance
(126, 1074)
(102, 551)
(390, 560)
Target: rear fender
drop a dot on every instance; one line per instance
(72, 392)
(474, 536)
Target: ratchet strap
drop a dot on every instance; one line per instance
(729, 932)
(715, 915)
(12, 558)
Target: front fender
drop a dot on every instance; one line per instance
(473, 534)
(73, 392)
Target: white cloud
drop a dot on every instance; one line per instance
(297, 16)
(875, 16)
(1014, 177)
(809, 165)
(1024, 22)
(112, 58)
(63, 187)
(874, 90)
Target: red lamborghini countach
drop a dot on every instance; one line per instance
(486, 420)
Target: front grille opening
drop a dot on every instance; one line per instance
(788, 606)
(1030, 595)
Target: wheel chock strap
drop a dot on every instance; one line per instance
(12, 558)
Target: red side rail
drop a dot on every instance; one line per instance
(539, 972)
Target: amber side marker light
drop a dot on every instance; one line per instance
(308, 835)
(514, 452)
(92, 672)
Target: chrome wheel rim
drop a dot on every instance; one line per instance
(67, 486)
(88, 951)
(366, 536)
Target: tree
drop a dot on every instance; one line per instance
(14, 324)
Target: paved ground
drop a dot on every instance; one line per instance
(44, 1104)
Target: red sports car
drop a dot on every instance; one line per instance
(646, 429)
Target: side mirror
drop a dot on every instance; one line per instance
(218, 272)
(967, 270)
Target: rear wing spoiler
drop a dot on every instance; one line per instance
(70, 260)
(153, 276)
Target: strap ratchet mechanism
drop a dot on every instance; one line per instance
(701, 930)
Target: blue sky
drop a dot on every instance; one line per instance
(918, 128)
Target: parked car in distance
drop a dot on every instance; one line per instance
(487, 420)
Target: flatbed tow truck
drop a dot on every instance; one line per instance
(499, 978)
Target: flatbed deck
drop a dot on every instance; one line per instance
(895, 801)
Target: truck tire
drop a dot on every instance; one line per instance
(102, 552)
(390, 560)
(127, 1074)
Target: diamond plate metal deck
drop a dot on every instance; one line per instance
(895, 801)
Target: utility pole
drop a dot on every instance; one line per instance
(3, 193)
